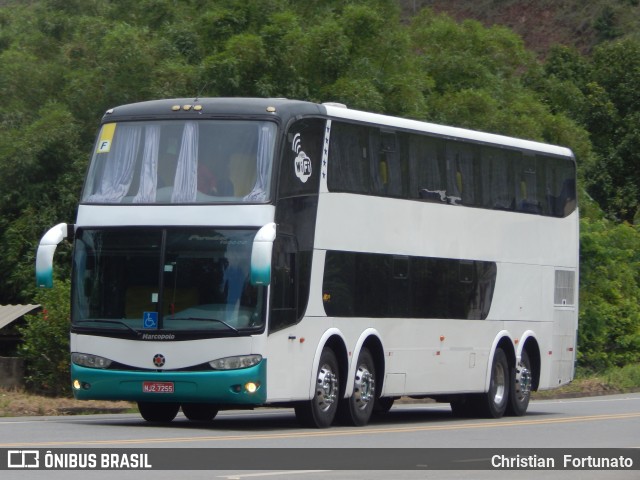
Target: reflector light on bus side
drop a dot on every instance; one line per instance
(44, 256)
(261, 255)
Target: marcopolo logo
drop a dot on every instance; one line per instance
(158, 336)
(159, 360)
(23, 459)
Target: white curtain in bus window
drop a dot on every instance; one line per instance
(149, 167)
(185, 187)
(265, 148)
(118, 166)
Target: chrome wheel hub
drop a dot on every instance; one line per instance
(523, 381)
(326, 388)
(364, 388)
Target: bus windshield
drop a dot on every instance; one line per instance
(181, 162)
(154, 279)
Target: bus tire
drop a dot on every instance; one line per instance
(320, 411)
(493, 404)
(357, 409)
(521, 381)
(199, 412)
(158, 412)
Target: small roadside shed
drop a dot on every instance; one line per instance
(12, 367)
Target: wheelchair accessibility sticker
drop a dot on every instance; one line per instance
(150, 320)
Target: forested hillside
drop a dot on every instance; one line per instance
(545, 23)
(64, 62)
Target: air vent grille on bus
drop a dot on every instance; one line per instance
(564, 293)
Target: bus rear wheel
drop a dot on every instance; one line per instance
(320, 411)
(493, 403)
(356, 410)
(199, 412)
(158, 412)
(521, 381)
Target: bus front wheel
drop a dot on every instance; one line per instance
(320, 411)
(199, 412)
(158, 412)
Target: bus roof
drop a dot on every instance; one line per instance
(194, 108)
(445, 131)
(285, 110)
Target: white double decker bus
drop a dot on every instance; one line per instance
(236, 253)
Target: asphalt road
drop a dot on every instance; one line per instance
(594, 423)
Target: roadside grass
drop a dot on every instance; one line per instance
(615, 380)
(20, 403)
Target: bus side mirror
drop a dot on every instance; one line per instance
(46, 249)
(261, 255)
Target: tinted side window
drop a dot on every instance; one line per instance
(374, 161)
(349, 169)
(376, 285)
(497, 180)
(386, 164)
(366, 160)
(461, 159)
(559, 185)
(284, 287)
(426, 158)
(528, 197)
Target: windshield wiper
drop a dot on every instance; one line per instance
(203, 319)
(117, 322)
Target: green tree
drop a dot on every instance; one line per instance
(467, 55)
(41, 167)
(609, 333)
(611, 106)
(46, 342)
(606, 25)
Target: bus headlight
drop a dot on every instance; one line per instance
(91, 361)
(234, 363)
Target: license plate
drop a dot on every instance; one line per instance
(157, 387)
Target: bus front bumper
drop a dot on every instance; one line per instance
(245, 386)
